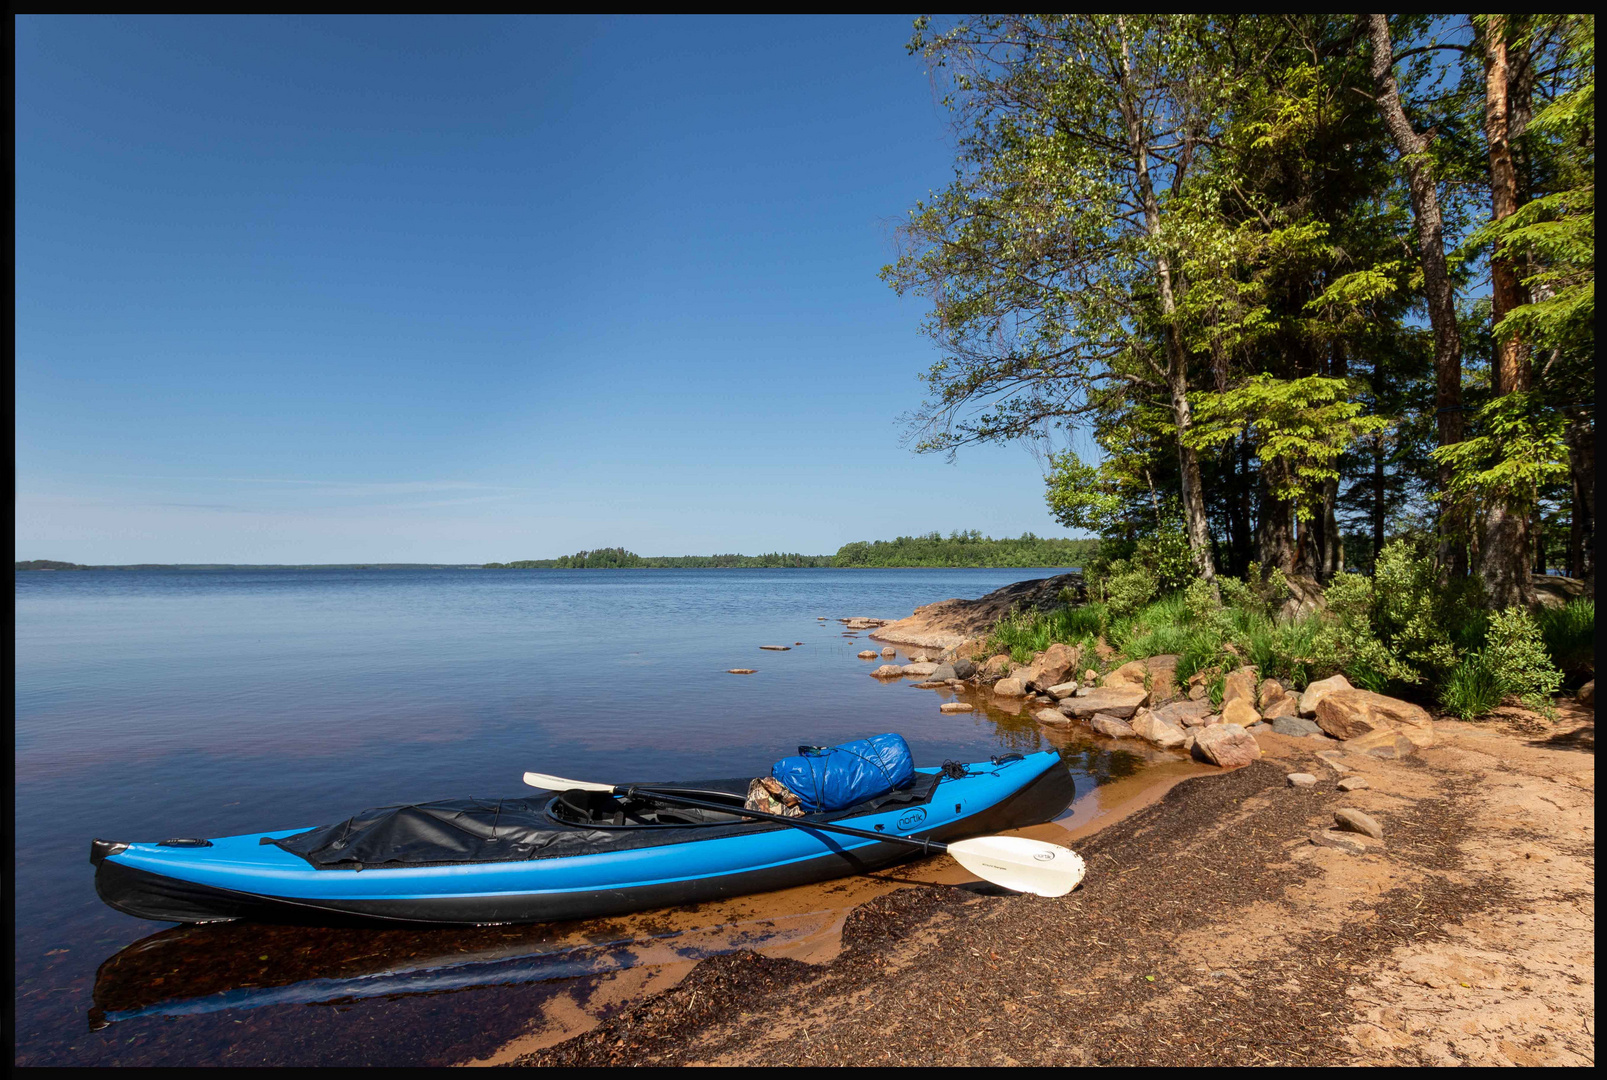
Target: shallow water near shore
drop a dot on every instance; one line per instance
(170, 703)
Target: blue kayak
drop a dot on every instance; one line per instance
(567, 855)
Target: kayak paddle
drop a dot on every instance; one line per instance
(1015, 862)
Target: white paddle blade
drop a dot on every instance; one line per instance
(558, 783)
(1020, 864)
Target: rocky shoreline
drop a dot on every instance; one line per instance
(1359, 883)
(1141, 699)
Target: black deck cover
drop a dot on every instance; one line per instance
(451, 831)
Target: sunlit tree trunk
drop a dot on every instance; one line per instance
(1504, 549)
(1420, 182)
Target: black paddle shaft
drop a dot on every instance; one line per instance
(797, 823)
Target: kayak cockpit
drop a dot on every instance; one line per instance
(601, 810)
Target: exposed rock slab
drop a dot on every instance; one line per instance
(1119, 702)
(947, 623)
(1352, 714)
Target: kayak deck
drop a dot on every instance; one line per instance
(587, 871)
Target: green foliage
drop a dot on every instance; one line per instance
(1570, 635)
(1471, 689)
(1516, 447)
(1302, 426)
(1022, 633)
(1127, 588)
(967, 549)
(1516, 654)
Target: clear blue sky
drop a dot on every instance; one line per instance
(464, 289)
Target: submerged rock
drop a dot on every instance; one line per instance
(868, 654)
(956, 706)
(887, 671)
(1053, 717)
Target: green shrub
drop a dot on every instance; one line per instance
(1129, 588)
(1200, 601)
(1517, 657)
(1471, 689)
(1570, 635)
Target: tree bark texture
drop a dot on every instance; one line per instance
(1504, 550)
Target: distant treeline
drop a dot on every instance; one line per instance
(966, 549)
(618, 558)
(933, 549)
(49, 564)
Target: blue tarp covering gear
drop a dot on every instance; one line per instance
(837, 777)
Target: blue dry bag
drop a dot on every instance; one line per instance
(837, 777)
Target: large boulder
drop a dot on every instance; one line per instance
(996, 667)
(1132, 673)
(1184, 713)
(888, 671)
(1227, 745)
(944, 672)
(964, 668)
(1111, 727)
(1163, 733)
(1120, 702)
(923, 668)
(1319, 690)
(1240, 711)
(1052, 666)
(1239, 684)
(1162, 677)
(1275, 701)
(1351, 714)
(1587, 694)
(1062, 690)
(1011, 687)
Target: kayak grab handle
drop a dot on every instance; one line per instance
(101, 850)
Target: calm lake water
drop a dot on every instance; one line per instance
(167, 703)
